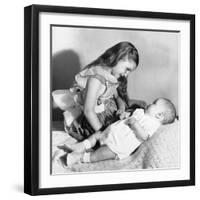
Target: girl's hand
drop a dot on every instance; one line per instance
(124, 115)
(120, 111)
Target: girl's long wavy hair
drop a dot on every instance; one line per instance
(116, 53)
(111, 57)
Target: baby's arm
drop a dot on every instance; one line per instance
(139, 131)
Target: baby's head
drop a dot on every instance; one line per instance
(163, 110)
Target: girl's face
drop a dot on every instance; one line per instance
(123, 68)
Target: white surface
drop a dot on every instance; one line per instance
(11, 40)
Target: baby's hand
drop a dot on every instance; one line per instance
(131, 122)
(123, 114)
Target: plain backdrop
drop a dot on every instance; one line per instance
(11, 101)
(156, 74)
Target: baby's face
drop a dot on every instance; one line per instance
(155, 108)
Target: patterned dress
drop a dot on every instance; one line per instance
(106, 106)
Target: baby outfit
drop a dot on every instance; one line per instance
(120, 138)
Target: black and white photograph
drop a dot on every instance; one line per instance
(109, 100)
(115, 99)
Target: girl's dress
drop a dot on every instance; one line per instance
(75, 122)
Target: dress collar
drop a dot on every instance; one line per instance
(100, 71)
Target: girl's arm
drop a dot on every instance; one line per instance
(140, 133)
(92, 91)
(120, 103)
(121, 108)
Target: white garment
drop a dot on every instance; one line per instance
(121, 139)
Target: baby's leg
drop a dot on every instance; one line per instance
(86, 144)
(102, 153)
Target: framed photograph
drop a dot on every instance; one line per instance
(109, 99)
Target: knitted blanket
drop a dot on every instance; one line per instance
(160, 151)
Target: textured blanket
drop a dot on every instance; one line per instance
(160, 151)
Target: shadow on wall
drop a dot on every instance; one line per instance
(65, 65)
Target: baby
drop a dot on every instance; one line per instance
(123, 137)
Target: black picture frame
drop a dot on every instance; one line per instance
(31, 98)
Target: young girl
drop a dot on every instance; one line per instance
(94, 100)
